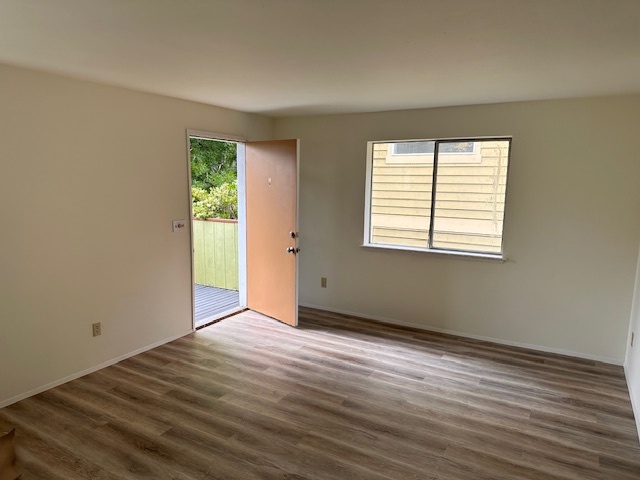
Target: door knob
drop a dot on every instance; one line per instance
(293, 250)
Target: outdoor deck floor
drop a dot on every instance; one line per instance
(211, 301)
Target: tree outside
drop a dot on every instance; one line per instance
(214, 178)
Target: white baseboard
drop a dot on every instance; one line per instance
(635, 402)
(540, 348)
(35, 391)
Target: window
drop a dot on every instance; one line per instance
(420, 148)
(437, 195)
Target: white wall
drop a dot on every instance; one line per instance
(632, 360)
(90, 179)
(571, 230)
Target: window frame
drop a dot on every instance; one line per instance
(430, 248)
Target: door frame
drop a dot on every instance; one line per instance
(242, 215)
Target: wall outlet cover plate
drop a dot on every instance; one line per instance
(179, 225)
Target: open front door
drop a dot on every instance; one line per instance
(272, 225)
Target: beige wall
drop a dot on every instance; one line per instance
(571, 231)
(90, 179)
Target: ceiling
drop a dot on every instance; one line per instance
(297, 57)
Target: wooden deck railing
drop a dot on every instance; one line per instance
(215, 252)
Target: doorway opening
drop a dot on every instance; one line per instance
(217, 226)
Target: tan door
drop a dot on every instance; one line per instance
(272, 218)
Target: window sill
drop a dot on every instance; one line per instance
(492, 257)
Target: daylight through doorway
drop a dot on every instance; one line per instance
(214, 208)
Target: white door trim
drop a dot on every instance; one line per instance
(215, 136)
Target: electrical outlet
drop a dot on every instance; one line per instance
(97, 329)
(323, 282)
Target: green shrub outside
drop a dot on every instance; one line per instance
(214, 180)
(217, 202)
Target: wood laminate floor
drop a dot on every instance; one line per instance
(337, 398)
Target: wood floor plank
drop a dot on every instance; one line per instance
(340, 397)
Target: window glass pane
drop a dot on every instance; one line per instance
(400, 199)
(456, 147)
(427, 148)
(414, 148)
(469, 200)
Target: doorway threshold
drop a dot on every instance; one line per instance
(216, 318)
